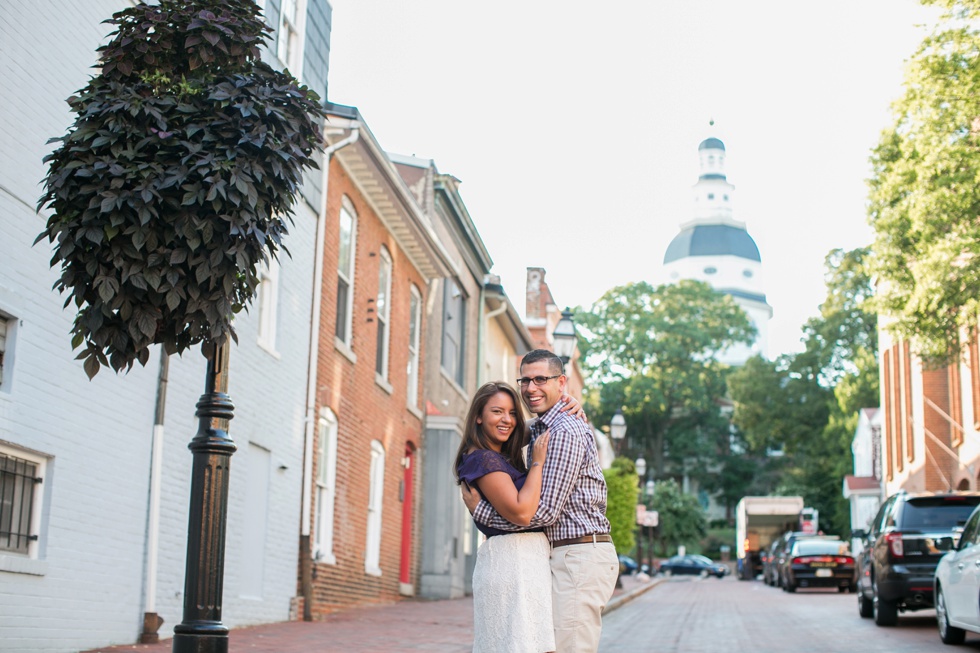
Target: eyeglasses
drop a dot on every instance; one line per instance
(537, 380)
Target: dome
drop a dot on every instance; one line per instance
(712, 240)
(711, 144)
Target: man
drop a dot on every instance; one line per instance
(584, 565)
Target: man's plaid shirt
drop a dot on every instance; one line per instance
(573, 489)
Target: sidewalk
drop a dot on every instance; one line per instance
(411, 625)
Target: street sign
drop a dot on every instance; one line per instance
(646, 517)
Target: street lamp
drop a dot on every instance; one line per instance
(617, 429)
(641, 467)
(564, 337)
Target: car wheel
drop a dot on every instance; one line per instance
(865, 606)
(668, 573)
(703, 573)
(949, 634)
(790, 587)
(842, 589)
(885, 612)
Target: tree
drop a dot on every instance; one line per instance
(805, 405)
(172, 186)
(681, 517)
(621, 494)
(924, 197)
(176, 180)
(653, 351)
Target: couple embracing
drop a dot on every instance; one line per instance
(548, 565)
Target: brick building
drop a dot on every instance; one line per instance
(87, 464)
(380, 257)
(930, 419)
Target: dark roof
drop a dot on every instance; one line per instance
(713, 175)
(711, 144)
(712, 240)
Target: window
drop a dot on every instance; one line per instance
(414, 333)
(268, 292)
(710, 270)
(372, 552)
(5, 333)
(747, 274)
(289, 47)
(711, 196)
(326, 486)
(383, 308)
(21, 474)
(345, 272)
(453, 316)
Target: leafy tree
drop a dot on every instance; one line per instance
(621, 494)
(176, 179)
(924, 195)
(806, 404)
(653, 351)
(681, 517)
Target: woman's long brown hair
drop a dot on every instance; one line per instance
(475, 438)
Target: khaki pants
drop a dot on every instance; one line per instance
(583, 577)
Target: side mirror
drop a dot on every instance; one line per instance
(859, 533)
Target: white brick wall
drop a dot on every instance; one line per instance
(87, 589)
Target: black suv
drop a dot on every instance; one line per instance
(908, 536)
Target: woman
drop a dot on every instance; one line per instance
(512, 579)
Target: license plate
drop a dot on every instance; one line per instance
(824, 573)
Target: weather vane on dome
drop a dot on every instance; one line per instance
(711, 122)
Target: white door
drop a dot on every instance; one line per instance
(255, 519)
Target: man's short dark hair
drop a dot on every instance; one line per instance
(536, 355)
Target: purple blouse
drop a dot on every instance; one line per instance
(479, 463)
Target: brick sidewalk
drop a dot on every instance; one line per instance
(410, 625)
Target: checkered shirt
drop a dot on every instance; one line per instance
(573, 489)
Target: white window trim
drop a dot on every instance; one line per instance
(348, 275)
(268, 306)
(294, 60)
(415, 322)
(28, 563)
(326, 487)
(383, 314)
(372, 549)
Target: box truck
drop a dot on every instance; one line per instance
(759, 521)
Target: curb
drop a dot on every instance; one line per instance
(623, 599)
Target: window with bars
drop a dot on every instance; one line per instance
(3, 344)
(20, 479)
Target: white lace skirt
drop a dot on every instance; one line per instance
(512, 595)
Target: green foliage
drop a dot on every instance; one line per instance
(621, 493)
(806, 404)
(653, 352)
(175, 180)
(682, 519)
(924, 191)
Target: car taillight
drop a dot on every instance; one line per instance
(895, 545)
(800, 561)
(844, 560)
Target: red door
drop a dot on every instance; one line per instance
(405, 570)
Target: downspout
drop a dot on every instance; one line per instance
(306, 551)
(481, 331)
(151, 620)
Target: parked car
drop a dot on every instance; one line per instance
(768, 558)
(781, 554)
(819, 562)
(627, 565)
(957, 586)
(693, 565)
(902, 548)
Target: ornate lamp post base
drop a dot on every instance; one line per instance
(201, 630)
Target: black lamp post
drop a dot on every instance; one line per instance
(201, 630)
(564, 337)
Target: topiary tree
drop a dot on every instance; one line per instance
(173, 185)
(621, 494)
(176, 179)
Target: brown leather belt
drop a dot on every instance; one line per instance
(585, 539)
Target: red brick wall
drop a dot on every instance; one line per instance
(365, 410)
(940, 465)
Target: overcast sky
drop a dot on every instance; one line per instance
(574, 126)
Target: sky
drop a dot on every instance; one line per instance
(574, 126)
